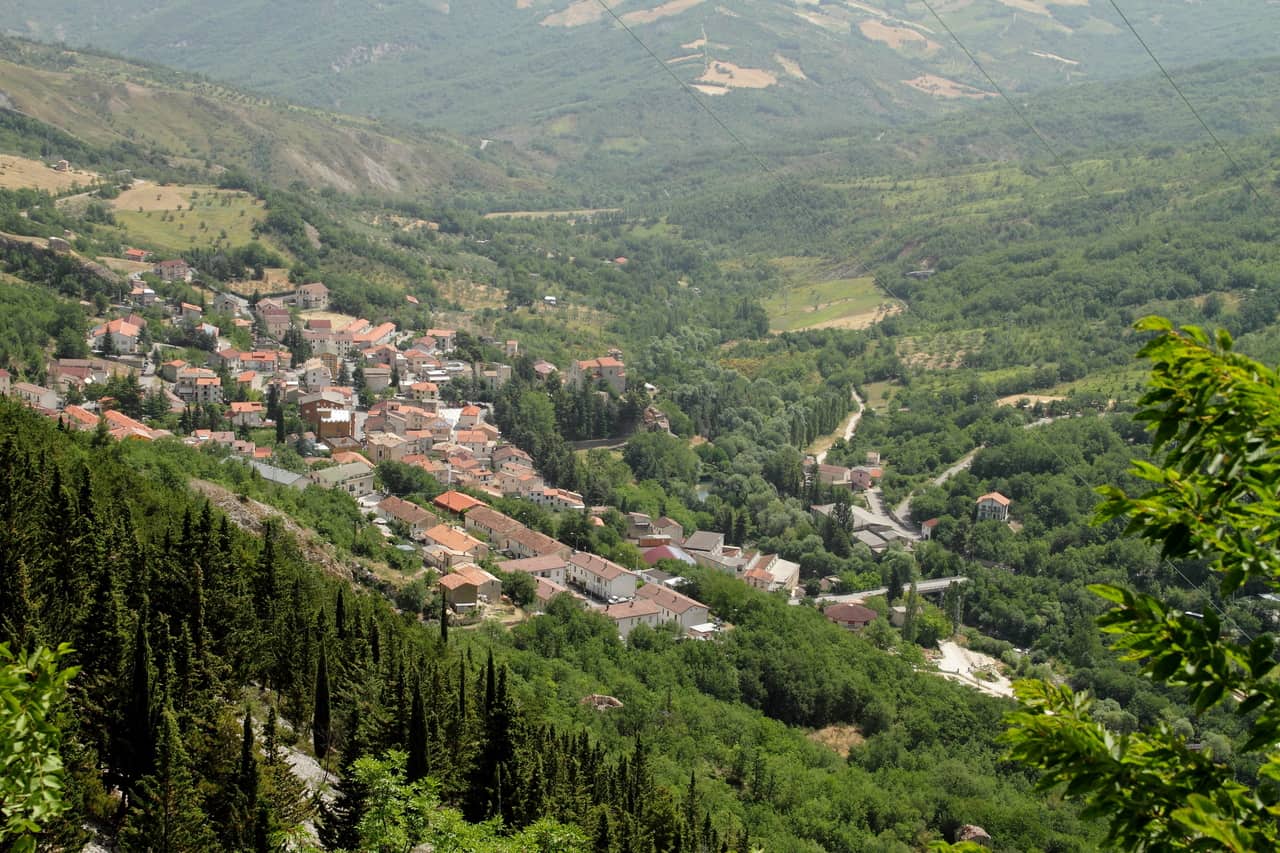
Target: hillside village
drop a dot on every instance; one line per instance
(368, 393)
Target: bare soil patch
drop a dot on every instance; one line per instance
(577, 14)
(1032, 399)
(126, 267)
(932, 84)
(896, 37)
(790, 66)
(839, 739)
(1044, 55)
(544, 214)
(864, 320)
(710, 90)
(666, 10)
(17, 173)
(827, 22)
(732, 76)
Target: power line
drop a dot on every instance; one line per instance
(1225, 153)
(1048, 146)
(737, 140)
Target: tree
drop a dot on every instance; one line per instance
(31, 786)
(322, 717)
(520, 587)
(1216, 417)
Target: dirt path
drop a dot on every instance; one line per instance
(846, 431)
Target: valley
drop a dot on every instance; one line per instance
(583, 477)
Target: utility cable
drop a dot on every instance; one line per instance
(1216, 141)
(1048, 146)
(737, 140)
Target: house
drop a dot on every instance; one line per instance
(475, 441)
(992, 506)
(335, 425)
(771, 573)
(124, 336)
(447, 546)
(850, 616)
(415, 518)
(312, 297)
(121, 426)
(602, 578)
(315, 375)
(386, 447)
(470, 416)
(456, 502)
(676, 607)
(608, 370)
(667, 552)
(628, 614)
(198, 385)
(229, 303)
(174, 270)
(6, 382)
(669, 527)
(512, 457)
(136, 255)
(559, 500)
(35, 396)
(443, 339)
(546, 590)
(552, 567)
(425, 392)
(704, 542)
(383, 333)
(468, 585)
(492, 524)
(141, 294)
(311, 405)
(927, 528)
(248, 414)
(524, 542)
(354, 478)
(377, 378)
(190, 313)
(275, 317)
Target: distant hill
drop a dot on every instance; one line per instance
(104, 101)
(562, 74)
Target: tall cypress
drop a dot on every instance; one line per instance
(322, 719)
(416, 765)
(444, 621)
(137, 755)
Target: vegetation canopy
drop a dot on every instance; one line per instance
(1214, 415)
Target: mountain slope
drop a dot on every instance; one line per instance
(563, 69)
(105, 101)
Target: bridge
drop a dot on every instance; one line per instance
(932, 586)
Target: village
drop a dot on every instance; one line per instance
(372, 393)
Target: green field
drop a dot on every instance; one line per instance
(171, 219)
(814, 296)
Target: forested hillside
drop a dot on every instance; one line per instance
(183, 625)
(267, 664)
(565, 72)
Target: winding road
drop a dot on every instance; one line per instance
(850, 427)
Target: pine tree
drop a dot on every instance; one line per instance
(340, 616)
(321, 721)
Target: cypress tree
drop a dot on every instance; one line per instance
(340, 615)
(138, 750)
(247, 773)
(444, 621)
(416, 766)
(322, 718)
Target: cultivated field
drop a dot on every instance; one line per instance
(20, 173)
(816, 297)
(173, 218)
